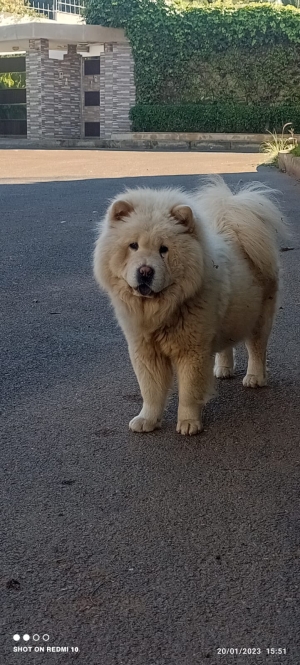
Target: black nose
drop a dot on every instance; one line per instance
(145, 273)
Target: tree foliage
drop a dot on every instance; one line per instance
(18, 7)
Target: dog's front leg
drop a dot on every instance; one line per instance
(195, 379)
(154, 374)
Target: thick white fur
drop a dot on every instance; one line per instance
(216, 286)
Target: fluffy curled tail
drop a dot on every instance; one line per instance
(250, 217)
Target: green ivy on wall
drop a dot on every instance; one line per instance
(248, 54)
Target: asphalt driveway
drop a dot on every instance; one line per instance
(135, 549)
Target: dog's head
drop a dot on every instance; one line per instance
(150, 247)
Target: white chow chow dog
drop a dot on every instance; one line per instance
(190, 275)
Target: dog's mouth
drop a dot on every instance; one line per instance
(145, 290)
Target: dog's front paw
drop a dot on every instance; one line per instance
(254, 381)
(223, 372)
(140, 424)
(189, 427)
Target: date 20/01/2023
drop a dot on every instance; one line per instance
(251, 651)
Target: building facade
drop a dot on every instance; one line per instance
(79, 79)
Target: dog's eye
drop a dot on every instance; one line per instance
(163, 249)
(134, 245)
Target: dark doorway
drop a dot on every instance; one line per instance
(13, 115)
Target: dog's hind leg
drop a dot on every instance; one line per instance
(257, 345)
(224, 364)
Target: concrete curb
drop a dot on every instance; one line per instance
(127, 144)
(289, 164)
(148, 141)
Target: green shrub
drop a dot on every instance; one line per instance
(249, 54)
(276, 143)
(213, 117)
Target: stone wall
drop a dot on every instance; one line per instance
(55, 92)
(67, 101)
(117, 89)
(34, 88)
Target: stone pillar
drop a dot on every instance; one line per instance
(106, 91)
(34, 88)
(68, 94)
(53, 93)
(117, 89)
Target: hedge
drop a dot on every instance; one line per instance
(213, 117)
(249, 54)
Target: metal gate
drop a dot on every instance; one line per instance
(13, 118)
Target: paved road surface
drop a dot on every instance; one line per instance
(138, 550)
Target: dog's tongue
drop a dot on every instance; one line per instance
(144, 290)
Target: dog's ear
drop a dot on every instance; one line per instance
(119, 210)
(184, 215)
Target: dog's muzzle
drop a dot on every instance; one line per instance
(145, 276)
